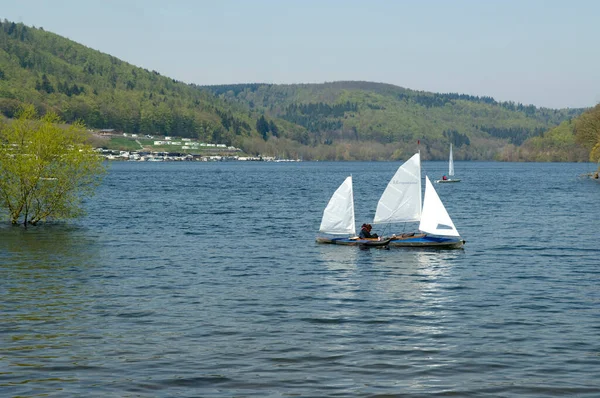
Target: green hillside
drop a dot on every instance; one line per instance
(331, 121)
(555, 145)
(77, 82)
(382, 118)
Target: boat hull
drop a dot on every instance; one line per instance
(449, 180)
(405, 240)
(354, 241)
(429, 241)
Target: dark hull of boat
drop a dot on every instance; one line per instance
(354, 242)
(414, 241)
(445, 181)
(429, 241)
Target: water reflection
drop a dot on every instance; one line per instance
(404, 297)
(338, 258)
(44, 243)
(420, 277)
(416, 278)
(43, 295)
(342, 277)
(396, 271)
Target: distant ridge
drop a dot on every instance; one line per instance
(342, 120)
(384, 114)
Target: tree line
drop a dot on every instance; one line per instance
(457, 139)
(78, 83)
(318, 116)
(514, 135)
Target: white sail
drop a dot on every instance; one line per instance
(338, 216)
(435, 219)
(401, 200)
(451, 163)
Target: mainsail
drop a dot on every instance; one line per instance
(338, 216)
(401, 200)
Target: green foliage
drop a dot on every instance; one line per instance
(514, 135)
(262, 126)
(124, 144)
(457, 139)
(587, 132)
(78, 83)
(555, 145)
(45, 170)
(316, 117)
(340, 113)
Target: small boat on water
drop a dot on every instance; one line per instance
(399, 203)
(450, 171)
(338, 223)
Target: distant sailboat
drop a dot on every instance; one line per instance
(450, 170)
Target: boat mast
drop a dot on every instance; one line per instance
(451, 163)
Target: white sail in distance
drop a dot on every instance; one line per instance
(451, 163)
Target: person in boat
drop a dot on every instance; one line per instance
(444, 177)
(365, 232)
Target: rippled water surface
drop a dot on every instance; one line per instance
(203, 279)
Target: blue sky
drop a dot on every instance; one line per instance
(540, 52)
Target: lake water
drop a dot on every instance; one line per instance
(204, 280)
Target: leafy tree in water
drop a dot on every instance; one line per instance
(45, 170)
(587, 132)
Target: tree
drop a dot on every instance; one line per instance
(262, 126)
(45, 170)
(587, 132)
(46, 85)
(273, 128)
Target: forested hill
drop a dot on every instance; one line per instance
(331, 121)
(384, 115)
(77, 82)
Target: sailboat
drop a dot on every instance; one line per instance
(401, 203)
(338, 223)
(450, 170)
